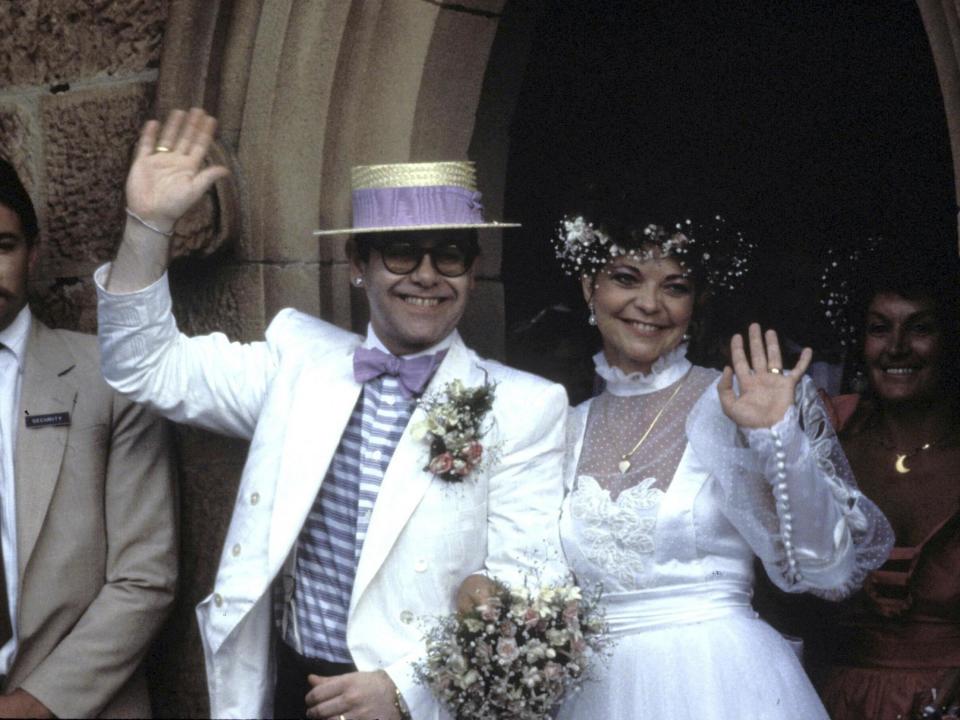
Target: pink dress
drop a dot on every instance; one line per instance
(903, 631)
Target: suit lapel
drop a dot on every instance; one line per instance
(406, 481)
(323, 399)
(46, 388)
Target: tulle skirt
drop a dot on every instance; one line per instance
(730, 668)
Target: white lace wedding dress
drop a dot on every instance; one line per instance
(673, 541)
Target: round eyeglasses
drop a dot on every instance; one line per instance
(449, 259)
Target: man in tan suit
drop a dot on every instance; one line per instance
(87, 510)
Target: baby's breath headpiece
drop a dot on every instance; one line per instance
(585, 249)
(839, 286)
(581, 248)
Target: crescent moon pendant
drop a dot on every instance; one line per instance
(901, 464)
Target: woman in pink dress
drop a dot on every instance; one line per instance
(899, 638)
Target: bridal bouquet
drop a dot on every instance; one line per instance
(516, 656)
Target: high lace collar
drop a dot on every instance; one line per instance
(665, 372)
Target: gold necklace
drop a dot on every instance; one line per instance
(900, 464)
(624, 463)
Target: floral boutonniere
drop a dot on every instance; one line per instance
(453, 427)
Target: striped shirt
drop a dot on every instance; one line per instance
(330, 542)
(328, 548)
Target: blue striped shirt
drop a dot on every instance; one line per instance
(330, 542)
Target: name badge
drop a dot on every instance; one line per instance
(50, 420)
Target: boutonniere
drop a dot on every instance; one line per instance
(454, 427)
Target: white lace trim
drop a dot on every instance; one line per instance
(665, 372)
(768, 521)
(617, 535)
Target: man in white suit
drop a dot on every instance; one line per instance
(350, 527)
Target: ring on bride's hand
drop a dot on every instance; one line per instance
(775, 371)
(162, 148)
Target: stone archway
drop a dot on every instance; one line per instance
(305, 90)
(941, 18)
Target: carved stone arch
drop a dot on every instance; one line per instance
(941, 18)
(306, 89)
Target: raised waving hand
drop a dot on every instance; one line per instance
(166, 178)
(765, 390)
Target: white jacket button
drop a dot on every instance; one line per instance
(235, 550)
(420, 566)
(218, 599)
(254, 498)
(406, 617)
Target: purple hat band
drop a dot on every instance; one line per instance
(416, 206)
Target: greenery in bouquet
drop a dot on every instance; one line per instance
(517, 655)
(453, 426)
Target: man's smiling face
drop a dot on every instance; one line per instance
(415, 310)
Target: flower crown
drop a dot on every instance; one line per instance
(839, 287)
(584, 249)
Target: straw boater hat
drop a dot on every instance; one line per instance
(415, 196)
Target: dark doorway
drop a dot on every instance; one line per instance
(805, 124)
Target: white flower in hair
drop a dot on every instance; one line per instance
(584, 249)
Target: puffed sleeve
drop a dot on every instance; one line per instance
(790, 493)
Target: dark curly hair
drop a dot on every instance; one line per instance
(14, 195)
(919, 276)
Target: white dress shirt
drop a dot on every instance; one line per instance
(12, 357)
(375, 343)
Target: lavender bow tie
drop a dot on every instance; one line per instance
(413, 373)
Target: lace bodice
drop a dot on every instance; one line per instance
(615, 423)
(617, 534)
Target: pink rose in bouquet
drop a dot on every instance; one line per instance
(473, 452)
(507, 650)
(441, 464)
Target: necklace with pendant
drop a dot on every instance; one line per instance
(900, 464)
(624, 463)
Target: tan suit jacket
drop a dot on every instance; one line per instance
(96, 534)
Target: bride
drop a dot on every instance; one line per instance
(679, 475)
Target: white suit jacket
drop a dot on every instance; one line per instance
(292, 396)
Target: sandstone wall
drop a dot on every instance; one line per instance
(77, 80)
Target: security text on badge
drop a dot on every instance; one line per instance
(49, 420)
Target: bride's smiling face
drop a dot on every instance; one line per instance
(643, 308)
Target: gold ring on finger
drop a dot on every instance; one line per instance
(775, 371)
(162, 148)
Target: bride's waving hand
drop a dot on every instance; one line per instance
(765, 390)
